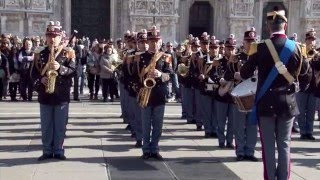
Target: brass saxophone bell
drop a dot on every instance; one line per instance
(149, 83)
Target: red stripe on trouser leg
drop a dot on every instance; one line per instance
(265, 173)
(289, 170)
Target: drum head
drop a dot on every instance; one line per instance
(245, 88)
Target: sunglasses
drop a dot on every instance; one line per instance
(169, 46)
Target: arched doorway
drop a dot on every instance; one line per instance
(201, 18)
(91, 18)
(267, 8)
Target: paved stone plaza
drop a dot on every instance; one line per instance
(98, 148)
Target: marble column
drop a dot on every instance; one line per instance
(112, 19)
(67, 16)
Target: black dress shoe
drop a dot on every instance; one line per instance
(60, 157)
(295, 130)
(193, 121)
(184, 117)
(207, 135)
(240, 158)
(138, 144)
(145, 156)
(157, 156)
(45, 156)
(214, 135)
(221, 145)
(128, 127)
(133, 135)
(251, 158)
(303, 136)
(230, 146)
(76, 99)
(310, 137)
(199, 128)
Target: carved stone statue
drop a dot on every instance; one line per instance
(1, 3)
(49, 4)
(27, 4)
(308, 7)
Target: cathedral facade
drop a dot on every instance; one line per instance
(175, 18)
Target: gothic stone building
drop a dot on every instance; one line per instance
(175, 18)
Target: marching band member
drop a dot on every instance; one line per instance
(295, 127)
(130, 80)
(245, 133)
(123, 81)
(52, 71)
(154, 71)
(275, 103)
(208, 66)
(224, 100)
(305, 99)
(188, 93)
(134, 105)
(194, 95)
(182, 62)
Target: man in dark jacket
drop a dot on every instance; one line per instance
(275, 105)
(54, 106)
(3, 72)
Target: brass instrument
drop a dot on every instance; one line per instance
(51, 73)
(115, 65)
(183, 70)
(312, 53)
(148, 83)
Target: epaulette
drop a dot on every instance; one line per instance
(254, 47)
(39, 49)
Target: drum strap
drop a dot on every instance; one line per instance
(277, 60)
(285, 55)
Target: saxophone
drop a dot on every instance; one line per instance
(51, 73)
(144, 93)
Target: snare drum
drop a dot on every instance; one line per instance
(244, 94)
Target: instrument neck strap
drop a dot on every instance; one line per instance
(44, 70)
(153, 61)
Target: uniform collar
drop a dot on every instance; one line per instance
(279, 34)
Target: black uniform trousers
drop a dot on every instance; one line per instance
(93, 81)
(26, 84)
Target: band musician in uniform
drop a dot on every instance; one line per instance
(245, 133)
(154, 71)
(52, 72)
(279, 62)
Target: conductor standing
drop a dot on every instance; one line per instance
(280, 62)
